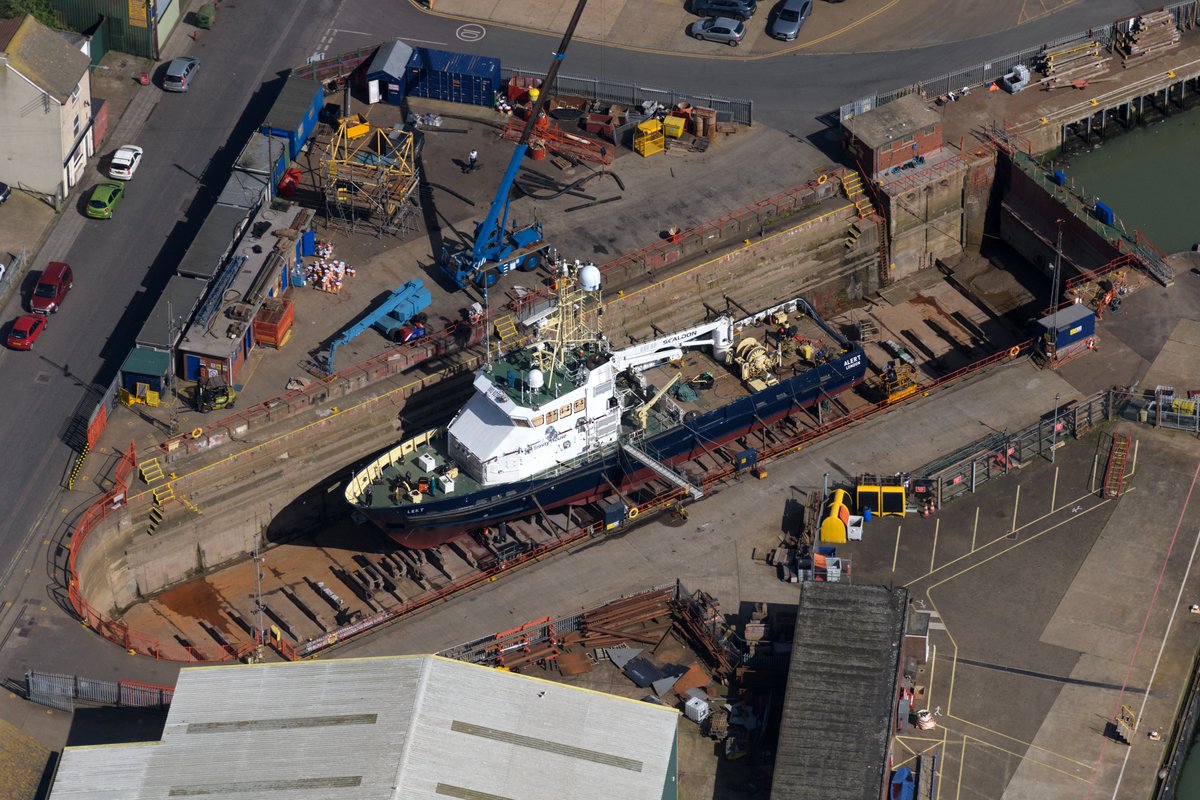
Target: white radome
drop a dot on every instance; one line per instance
(536, 379)
(589, 278)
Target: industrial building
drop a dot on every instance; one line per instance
(840, 701)
(396, 727)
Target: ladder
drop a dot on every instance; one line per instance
(852, 185)
(661, 470)
(1118, 459)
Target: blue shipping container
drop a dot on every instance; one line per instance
(294, 114)
(456, 77)
(1070, 325)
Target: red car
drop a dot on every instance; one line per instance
(25, 331)
(51, 288)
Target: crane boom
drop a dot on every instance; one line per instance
(491, 239)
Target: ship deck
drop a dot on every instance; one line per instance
(402, 463)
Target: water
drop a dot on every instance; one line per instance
(1189, 778)
(1151, 177)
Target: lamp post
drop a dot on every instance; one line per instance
(1054, 429)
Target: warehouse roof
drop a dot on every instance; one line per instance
(841, 693)
(381, 728)
(894, 120)
(42, 56)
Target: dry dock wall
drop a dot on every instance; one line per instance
(240, 497)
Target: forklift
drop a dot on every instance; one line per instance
(213, 394)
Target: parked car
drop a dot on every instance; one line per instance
(718, 29)
(51, 288)
(25, 331)
(125, 162)
(789, 20)
(180, 73)
(104, 200)
(734, 9)
(5, 192)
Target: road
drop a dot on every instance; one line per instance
(192, 139)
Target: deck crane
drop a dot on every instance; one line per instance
(496, 251)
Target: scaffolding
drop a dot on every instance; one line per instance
(370, 178)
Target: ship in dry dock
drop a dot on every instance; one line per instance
(568, 419)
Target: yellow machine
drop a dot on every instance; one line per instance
(898, 381)
(756, 363)
(642, 412)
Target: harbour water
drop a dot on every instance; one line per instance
(1151, 177)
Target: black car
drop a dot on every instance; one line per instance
(5, 192)
(735, 9)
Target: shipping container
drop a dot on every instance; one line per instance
(387, 74)
(456, 77)
(1069, 326)
(294, 113)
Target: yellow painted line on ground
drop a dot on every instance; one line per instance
(975, 529)
(1000, 538)
(633, 48)
(965, 570)
(1133, 463)
(962, 759)
(1020, 757)
(1016, 504)
(842, 29)
(937, 526)
(915, 754)
(896, 554)
(1021, 742)
(1095, 464)
(1054, 490)
(941, 762)
(932, 675)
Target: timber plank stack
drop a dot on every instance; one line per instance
(1152, 33)
(1072, 64)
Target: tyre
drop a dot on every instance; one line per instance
(530, 262)
(733, 43)
(698, 37)
(486, 280)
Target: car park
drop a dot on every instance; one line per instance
(51, 288)
(104, 200)
(25, 331)
(789, 19)
(125, 162)
(718, 29)
(179, 74)
(734, 9)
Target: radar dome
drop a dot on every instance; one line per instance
(536, 379)
(589, 278)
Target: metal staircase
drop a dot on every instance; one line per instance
(1118, 460)
(852, 185)
(660, 469)
(506, 329)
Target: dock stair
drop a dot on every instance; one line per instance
(660, 469)
(506, 329)
(856, 193)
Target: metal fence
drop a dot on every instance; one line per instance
(986, 72)
(632, 96)
(62, 691)
(994, 456)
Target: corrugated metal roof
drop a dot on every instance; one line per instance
(841, 692)
(44, 57)
(1076, 312)
(390, 60)
(216, 236)
(405, 727)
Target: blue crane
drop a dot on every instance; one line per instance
(496, 250)
(402, 306)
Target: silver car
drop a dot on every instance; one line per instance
(718, 29)
(179, 74)
(789, 20)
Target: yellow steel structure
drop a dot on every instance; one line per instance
(369, 176)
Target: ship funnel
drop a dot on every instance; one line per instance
(722, 338)
(536, 379)
(589, 278)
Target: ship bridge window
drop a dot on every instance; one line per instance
(579, 405)
(522, 423)
(565, 411)
(551, 416)
(537, 421)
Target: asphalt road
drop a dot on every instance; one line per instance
(122, 264)
(191, 140)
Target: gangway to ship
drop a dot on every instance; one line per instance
(660, 469)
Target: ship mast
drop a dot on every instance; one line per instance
(574, 326)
